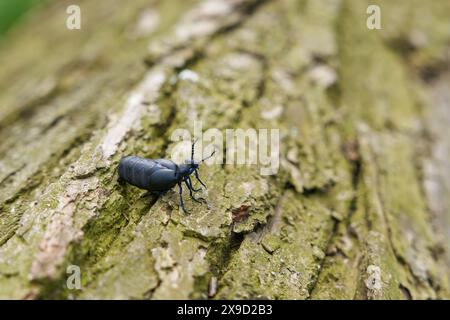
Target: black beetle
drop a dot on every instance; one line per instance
(160, 175)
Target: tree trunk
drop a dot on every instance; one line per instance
(359, 208)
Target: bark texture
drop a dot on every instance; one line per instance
(359, 208)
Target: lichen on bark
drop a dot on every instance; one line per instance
(352, 212)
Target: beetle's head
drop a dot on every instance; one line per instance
(191, 165)
(187, 168)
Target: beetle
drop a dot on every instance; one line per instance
(160, 175)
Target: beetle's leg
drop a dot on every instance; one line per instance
(181, 198)
(189, 185)
(192, 187)
(199, 180)
(190, 192)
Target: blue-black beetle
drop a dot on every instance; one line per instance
(160, 175)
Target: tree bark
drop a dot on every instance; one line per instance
(359, 208)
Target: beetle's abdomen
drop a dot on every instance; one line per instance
(137, 171)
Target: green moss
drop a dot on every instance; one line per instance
(344, 217)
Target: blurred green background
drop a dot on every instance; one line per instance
(12, 10)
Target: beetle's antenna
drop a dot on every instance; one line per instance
(209, 156)
(192, 152)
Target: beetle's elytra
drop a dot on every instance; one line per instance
(160, 175)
